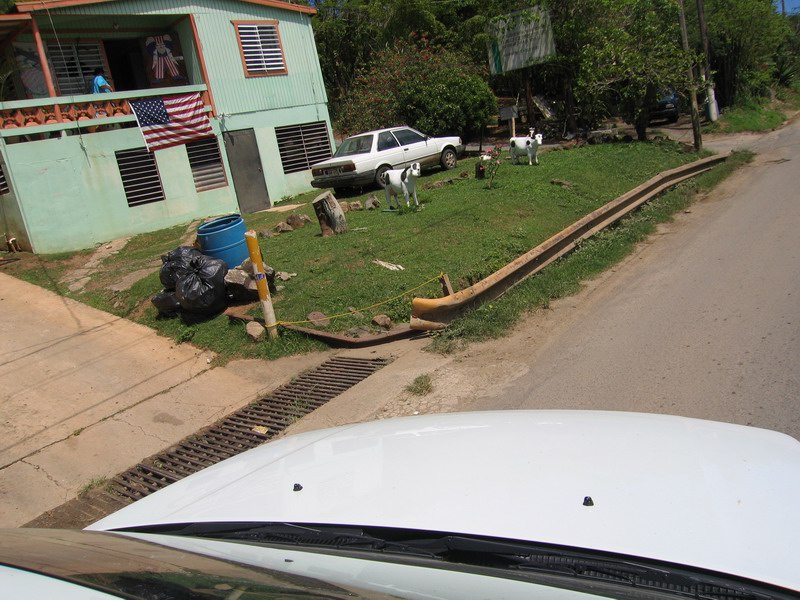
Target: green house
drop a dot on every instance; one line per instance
(75, 167)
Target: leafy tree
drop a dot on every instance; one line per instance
(349, 33)
(435, 90)
(346, 37)
(577, 25)
(634, 53)
(747, 38)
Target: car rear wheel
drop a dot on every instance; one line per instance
(449, 159)
(380, 171)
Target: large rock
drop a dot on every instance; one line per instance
(283, 227)
(255, 331)
(242, 286)
(318, 319)
(238, 277)
(298, 221)
(382, 321)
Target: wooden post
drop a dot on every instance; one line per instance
(48, 78)
(261, 283)
(698, 136)
(447, 289)
(329, 214)
(711, 100)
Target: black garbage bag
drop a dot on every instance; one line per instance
(202, 288)
(166, 302)
(176, 265)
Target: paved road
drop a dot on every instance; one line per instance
(703, 321)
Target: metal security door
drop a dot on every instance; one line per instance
(248, 176)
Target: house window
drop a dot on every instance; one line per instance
(206, 163)
(3, 183)
(140, 176)
(261, 49)
(301, 146)
(74, 65)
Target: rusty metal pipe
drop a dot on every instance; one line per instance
(435, 313)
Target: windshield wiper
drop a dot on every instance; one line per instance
(485, 552)
(353, 538)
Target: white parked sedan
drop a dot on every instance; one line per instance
(361, 159)
(514, 504)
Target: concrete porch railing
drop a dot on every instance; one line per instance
(48, 115)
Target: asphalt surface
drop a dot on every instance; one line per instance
(703, 321)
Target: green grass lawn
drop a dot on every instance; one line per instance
(757, 115)
(464, 230)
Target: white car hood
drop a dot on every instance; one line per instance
(692, 492)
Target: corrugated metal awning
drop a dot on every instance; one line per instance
(11, 25)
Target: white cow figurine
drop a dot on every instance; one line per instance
(401, 181)
(526, 145)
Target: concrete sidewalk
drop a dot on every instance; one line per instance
(86, 395)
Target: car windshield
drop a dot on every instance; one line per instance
(361, 144)
(505, 557)
(119, 565)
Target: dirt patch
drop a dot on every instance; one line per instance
(129, 280)
(76, 279)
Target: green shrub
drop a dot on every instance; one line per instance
(435, 90)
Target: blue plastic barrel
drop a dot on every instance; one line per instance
(223, 238)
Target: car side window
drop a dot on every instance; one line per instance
(406, 137)
(386, 141)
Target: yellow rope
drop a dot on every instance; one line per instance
(414, 289)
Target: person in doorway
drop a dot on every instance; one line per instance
(99, 84)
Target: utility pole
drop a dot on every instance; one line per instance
(698, 137)
(711, 100)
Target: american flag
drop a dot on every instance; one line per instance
(171, 121)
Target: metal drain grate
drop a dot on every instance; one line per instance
(246, 428)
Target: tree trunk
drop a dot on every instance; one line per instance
(698, 137)
(529, 104)
(569, 106)
(330, 215)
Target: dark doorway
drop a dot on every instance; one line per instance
(248, 176)
(126, 63)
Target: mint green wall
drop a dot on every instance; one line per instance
(233, 92)
(12, 222)
(259, 103)
(263, 123)
(67, 192)
(72, 197)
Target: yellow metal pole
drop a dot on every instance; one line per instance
(261, 282)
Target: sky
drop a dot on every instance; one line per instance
(791, 5)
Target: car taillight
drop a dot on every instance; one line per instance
(317, 172)
(348, 168)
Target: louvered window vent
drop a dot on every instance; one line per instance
(260, 44)
(207, 167)
(3, 183)
(139, 176)
(74, 65)
(301, 146)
